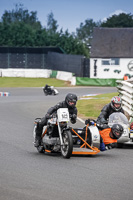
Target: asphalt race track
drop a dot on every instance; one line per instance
(27, 175)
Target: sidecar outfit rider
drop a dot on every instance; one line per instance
(113, 106)
(102, 121)
(111, 135)
(70, 103)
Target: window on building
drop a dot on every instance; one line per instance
(111, 61)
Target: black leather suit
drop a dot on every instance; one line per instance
(104, 115)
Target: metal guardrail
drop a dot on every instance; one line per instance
(125, 89)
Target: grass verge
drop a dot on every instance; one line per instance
(91, 108)
(31, 82)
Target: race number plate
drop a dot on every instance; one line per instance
(63, 115)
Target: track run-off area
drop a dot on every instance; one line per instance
(27, 175)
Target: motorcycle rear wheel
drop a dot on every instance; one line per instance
(41, 149)
(67, 148)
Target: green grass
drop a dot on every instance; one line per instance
(91, 108)
(31, 82)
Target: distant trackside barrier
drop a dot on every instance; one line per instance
(95, 82)
(37, 73)
(61, 75)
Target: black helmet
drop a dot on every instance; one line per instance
(116, 100)
(71, 99)
(116, 131)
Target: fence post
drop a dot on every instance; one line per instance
(8, 60)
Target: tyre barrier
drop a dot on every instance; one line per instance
(125, 89)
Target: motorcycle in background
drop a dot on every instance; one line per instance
(50, 90)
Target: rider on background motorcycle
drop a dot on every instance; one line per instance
(102, 120)
(47, 89)
(70, 103)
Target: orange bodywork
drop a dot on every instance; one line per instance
(106, 137)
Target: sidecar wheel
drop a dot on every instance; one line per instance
(89, 136)
(119, 145)
(67, 148)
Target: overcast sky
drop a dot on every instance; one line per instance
(70, 13)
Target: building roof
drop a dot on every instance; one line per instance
(112, 43)
(39, 50)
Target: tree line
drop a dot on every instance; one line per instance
(21, 28)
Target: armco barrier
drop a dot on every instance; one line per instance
(125, 89)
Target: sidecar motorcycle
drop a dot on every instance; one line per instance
(57, 135)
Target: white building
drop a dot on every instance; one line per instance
(111, 53)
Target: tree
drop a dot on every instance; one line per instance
(19, 28)
(72, 45)
(20, 15)
(51, 23)
(85, 29)
(17, 34)
(121, 20)
(84, 34)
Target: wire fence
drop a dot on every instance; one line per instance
(44, 58)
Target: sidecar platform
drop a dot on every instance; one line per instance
(85, 151)
(85, 148)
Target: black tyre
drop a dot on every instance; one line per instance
(67, 148)
(89, 138)
(119, 145)
(53, 92)
(41, 149)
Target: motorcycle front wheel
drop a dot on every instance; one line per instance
(53, 92)
(67, 148)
